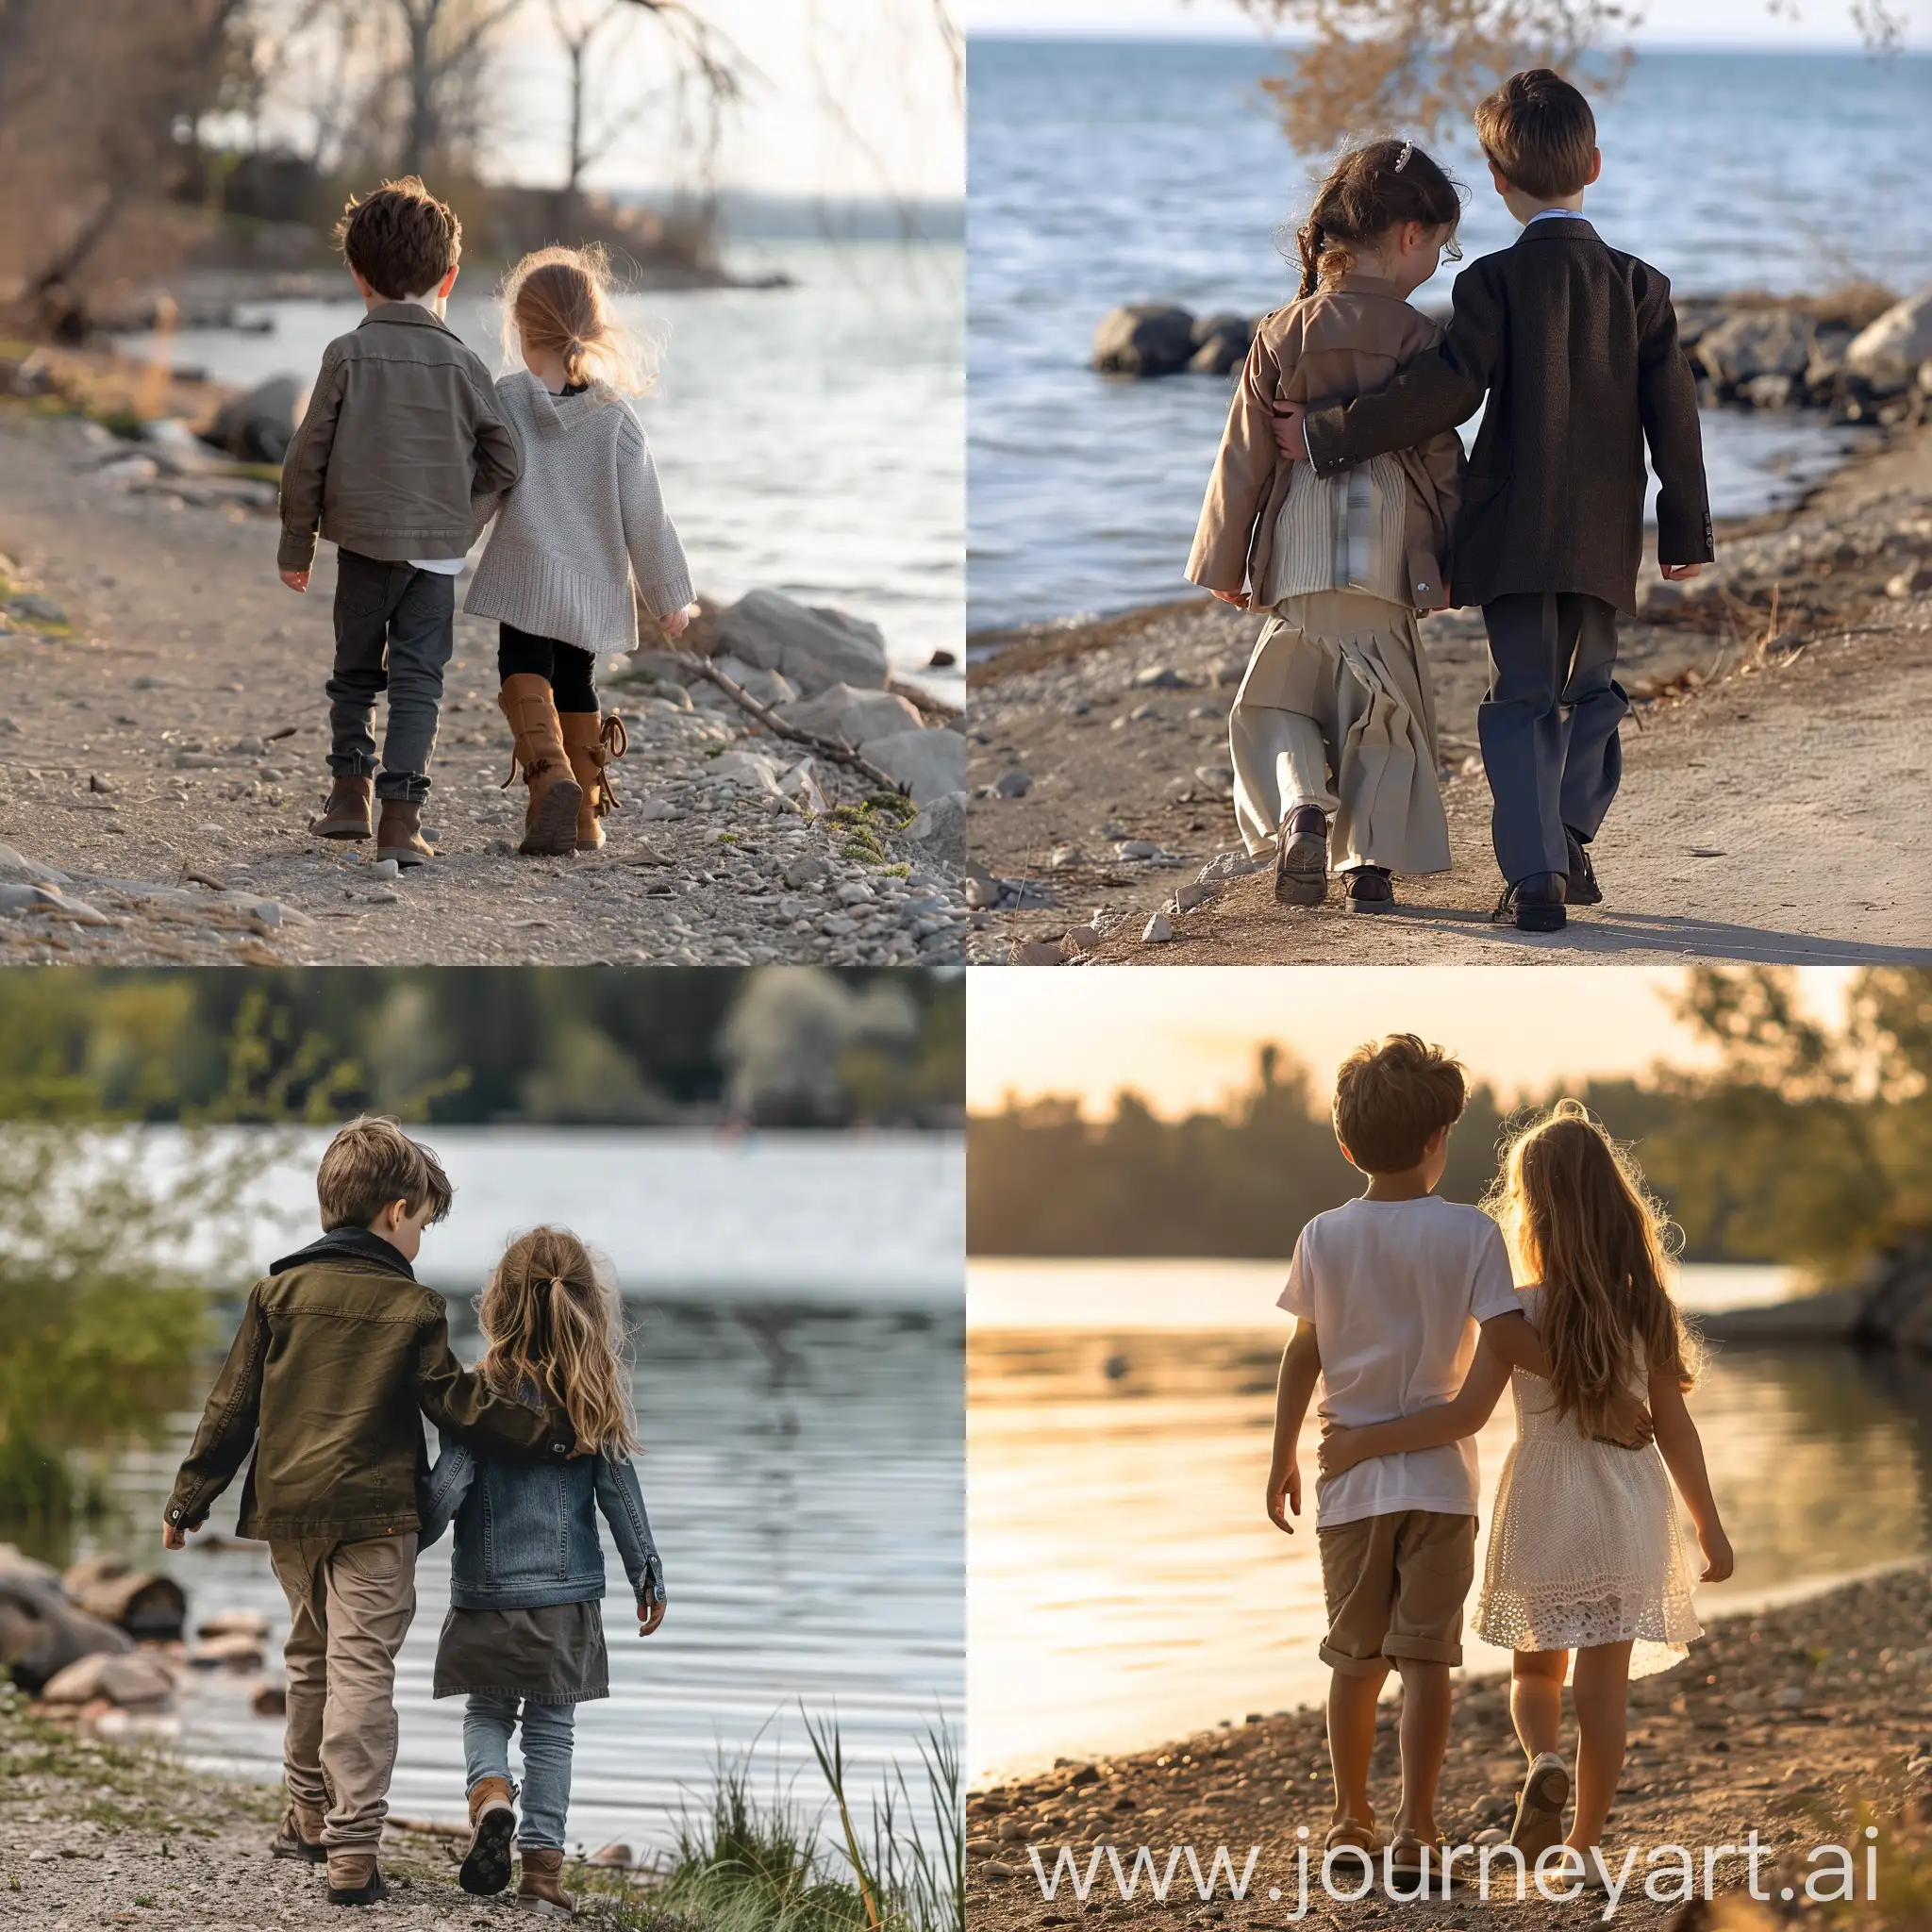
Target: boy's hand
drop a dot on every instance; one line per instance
(1290, 432)
(1238, 598)
(1284, 1496)
(1676, 573)
(1337, 1453)
(649, 1616)
(297, 581)
(1718, 1559)
(676, 623)
(174, 1537)
(1628, 1422)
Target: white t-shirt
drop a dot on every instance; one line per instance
(1395, 1290)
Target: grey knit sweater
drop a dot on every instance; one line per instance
(585, 518)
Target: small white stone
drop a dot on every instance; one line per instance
(1157, 930)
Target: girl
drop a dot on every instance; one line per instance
(582, 539)
(1585, 1552)
(524, 1639)
(1337, 684)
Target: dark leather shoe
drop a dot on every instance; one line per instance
(1301, 857)
(1370, 889)
(1580, 887)
(345, 813)
(1533, 905)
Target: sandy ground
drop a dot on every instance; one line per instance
(98, 1835)
(1787, 1722)
(1776, 802)
(164, 745)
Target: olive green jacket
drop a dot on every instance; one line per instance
(340, 1354)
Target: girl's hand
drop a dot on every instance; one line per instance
(1336, 1454)
(1238, 598)
(1718, 1559)
(1291, 436)
(676, 623)
(649, 1616)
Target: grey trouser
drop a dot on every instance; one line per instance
(394, 632)
(1548, 726)
(350, 1605)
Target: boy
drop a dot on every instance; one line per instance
(337, 1356)
(1387, 1295)
(1575, 347)
(399, 460)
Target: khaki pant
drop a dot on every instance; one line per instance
(1395, 1587)
(350, 1605)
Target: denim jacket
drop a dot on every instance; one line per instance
(527, 1535)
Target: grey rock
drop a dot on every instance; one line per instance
(930, 764)
(1083, 938)
(1062, 857)
(852, 715)
(385, 869)
(258, 428)
(1215, 778)
(814, 647)
(1137, 849)
(17, 898)
(1914, 582)
(838, 925)
(748, 767)
(1770, 391)
(941, 826)
(1015, 783)
(1221, 344)
(1158, 677)
(1894, 345)
(856, 892)
(805, 868)
(982, 890)
(1195, 892)
(1036, 953)
(1757, 342)
(1157, 931)
(1230, 865)
(770, 688)
(1144, 338)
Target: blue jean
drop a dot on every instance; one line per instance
(547, 1729)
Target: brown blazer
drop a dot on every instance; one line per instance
(1335, 342)
(403, 450)
(1571, 350)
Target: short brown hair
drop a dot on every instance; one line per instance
(371, 1162)
(1388, 1099)
(400, 239)
(1539, 132)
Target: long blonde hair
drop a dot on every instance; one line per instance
(1580, 1221)
(557, 300)
(553, 1323)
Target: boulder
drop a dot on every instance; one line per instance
(1894, 345)
(259, 426)
(1221, 344)
(1144, 338)
(814, 647)
(748, 767)
(140, 1601)
(941, 826)
(136, 1680)
(770, 688)
(930, 764)
(850, 715)
(42, 1633)
(1757, 342)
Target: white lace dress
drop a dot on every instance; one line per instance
(1585, 1544)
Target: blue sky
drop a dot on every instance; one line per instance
(1668, 22)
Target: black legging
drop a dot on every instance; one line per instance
(569, 669)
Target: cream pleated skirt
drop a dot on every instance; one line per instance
(1335, 709)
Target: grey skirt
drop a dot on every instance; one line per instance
(551, 1655)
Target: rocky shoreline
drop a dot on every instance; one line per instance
(1806, 1722)
(163, 734)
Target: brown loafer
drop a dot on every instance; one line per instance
(345, 811)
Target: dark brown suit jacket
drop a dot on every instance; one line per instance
(1575, 347)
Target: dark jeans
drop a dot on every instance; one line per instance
(1548, 726)
(568, 669)
(394, 631)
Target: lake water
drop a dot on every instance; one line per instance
(803, 1466)
(1109, 171)
(809, 439)
(1126, 1586)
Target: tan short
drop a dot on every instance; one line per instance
(1395, 1587)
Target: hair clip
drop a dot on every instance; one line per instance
(1402, 160)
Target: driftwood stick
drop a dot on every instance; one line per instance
(923, 701)
(833, 748)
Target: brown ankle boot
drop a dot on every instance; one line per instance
(540, 1889)
(486, 1865)
(593, 743)
(399, 834)
(300, 1835)
(354, 1879)
(345, 813)
(550, 824)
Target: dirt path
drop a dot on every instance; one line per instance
(1790, 1720)
(163, 743)
(1776, 801)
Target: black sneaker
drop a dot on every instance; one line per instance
(1532, 905)
(1580, 887)
(1301, 857)
(1370, 889)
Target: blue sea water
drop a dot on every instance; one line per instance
(1103, 172)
